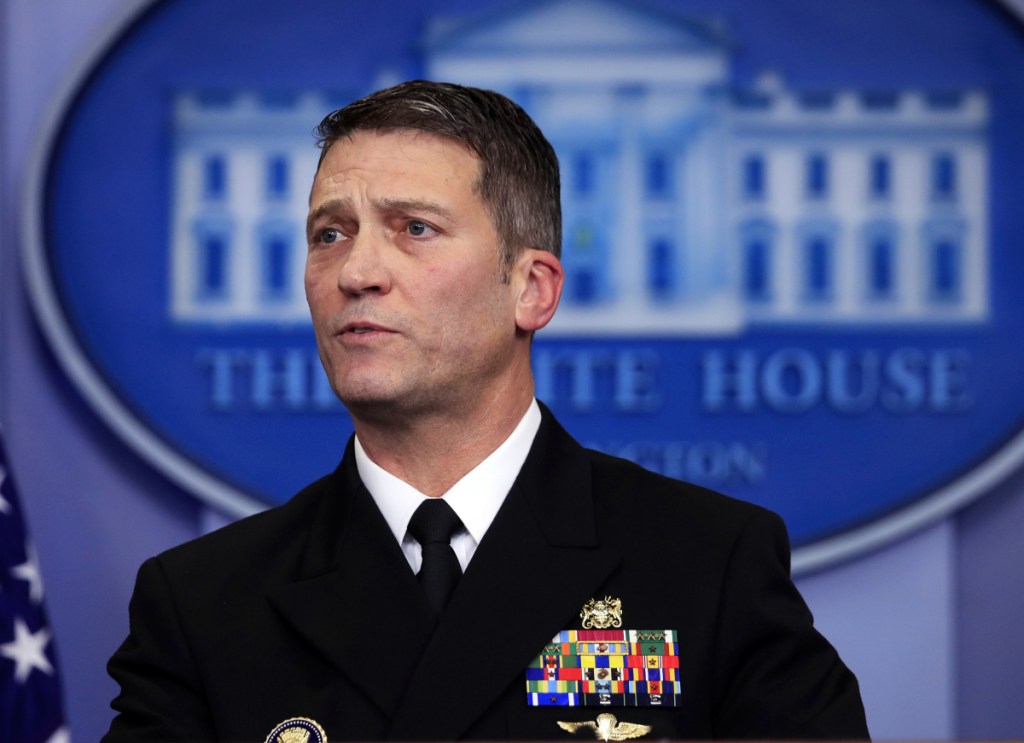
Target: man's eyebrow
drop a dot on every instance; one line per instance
(325, 208)
(415, 206)
(396, 204)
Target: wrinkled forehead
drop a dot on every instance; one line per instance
(368, 138)
(402, 131)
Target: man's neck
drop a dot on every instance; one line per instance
(433, 452)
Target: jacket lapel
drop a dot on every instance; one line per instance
(536, 566)
(358, 603)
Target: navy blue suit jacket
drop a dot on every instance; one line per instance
(311, 610)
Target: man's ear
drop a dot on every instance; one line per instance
(539, 276)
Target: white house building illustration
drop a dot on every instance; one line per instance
(693, 205)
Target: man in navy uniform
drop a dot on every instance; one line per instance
(468, 571)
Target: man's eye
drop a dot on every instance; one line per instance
(329, 235)
(417, 228)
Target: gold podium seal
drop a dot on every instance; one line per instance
(297, 730)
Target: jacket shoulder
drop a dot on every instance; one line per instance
(272, 539)
(629, 486)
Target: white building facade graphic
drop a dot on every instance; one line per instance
(243, 165)
(692, 205)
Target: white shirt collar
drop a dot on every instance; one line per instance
(476, 498)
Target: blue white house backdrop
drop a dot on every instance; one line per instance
(788, 256)
(693, 205)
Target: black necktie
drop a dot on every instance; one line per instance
(432, 525)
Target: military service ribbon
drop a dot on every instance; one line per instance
(606, 668)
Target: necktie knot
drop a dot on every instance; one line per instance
(434, 521)
(432, 525)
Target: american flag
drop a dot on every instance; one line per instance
(31, 709)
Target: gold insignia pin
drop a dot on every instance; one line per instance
(607, 727)
(602, 614)
(297, 730)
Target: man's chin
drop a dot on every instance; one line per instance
(366, 389)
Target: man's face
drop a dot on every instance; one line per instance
(402, 276)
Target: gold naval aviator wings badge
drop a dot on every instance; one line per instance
(297, 730)
(607, 727)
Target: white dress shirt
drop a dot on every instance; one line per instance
(476, 498)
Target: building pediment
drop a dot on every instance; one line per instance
(591, 26)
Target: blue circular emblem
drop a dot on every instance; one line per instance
(297, 730)
(790, 239)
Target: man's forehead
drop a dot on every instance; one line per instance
(368, 149)
(399, 138)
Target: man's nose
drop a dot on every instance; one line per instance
(363, 268)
